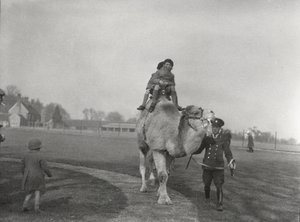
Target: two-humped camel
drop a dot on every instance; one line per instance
(166, 134)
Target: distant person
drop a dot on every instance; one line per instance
(2, 94)
(34, 168)
(213, 163)
(162, 79)
(2, 137)
(250, 143)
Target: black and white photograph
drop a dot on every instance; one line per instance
(149, 111)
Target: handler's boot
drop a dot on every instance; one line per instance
(207, 194)
(154, 100)
(219, 199)
(175, 100)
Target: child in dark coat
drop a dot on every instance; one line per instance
(162, 79)
(34, 168)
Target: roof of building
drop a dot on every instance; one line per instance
(30, 109)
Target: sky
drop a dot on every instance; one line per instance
(239, 58)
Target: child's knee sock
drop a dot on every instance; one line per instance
(26, 201)
(37, 200)
(145, 99)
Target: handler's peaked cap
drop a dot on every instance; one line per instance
(217, 122)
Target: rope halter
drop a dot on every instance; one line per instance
(197, 116)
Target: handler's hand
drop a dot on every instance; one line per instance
(232, 164)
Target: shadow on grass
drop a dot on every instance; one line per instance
(69, 196)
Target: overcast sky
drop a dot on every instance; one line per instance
(238, 58)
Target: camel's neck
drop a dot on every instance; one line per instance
(189, 139)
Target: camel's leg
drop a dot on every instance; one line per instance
(143, 171)
(170, 162)
(160, 163)
(152, 177)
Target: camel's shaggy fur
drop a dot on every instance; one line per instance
(166, 134)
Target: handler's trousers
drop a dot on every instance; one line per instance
(218, 177)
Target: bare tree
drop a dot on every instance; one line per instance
(49, 110)
(86, 113)
(92, 114)
(12, 90)
(132, 120)
(114, 117)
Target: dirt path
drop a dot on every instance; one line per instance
(140, 206)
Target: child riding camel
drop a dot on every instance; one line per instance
(162, 79)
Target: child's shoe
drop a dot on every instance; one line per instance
(141, 107)
(25, 209)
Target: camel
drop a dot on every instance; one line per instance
(164, 135)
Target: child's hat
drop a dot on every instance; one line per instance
(34, 144)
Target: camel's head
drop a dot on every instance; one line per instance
(194, 125)
(198, 118)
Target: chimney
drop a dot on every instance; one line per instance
(19, 100)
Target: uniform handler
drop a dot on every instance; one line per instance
(213, 163)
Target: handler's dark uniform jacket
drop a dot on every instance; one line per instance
(215, 147)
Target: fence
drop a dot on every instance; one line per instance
(267, 146)
(84, 132)
(100, 133)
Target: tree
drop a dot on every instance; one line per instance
(114, 117)
(92, 114)
(100, 115)
(49, 110)
(56, 116)
(37, 105)
(12, 90)
(86, 113)
(292, 141)
(132, 120)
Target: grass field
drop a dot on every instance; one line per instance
(265, 187)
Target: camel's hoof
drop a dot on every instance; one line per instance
(164, 200)
(143, 189)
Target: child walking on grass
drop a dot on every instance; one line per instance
(34, 168)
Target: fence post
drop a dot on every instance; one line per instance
(243, 138)
(275, 139)
(99, 126)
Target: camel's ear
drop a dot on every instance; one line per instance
(202, 110)
(188, 108)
